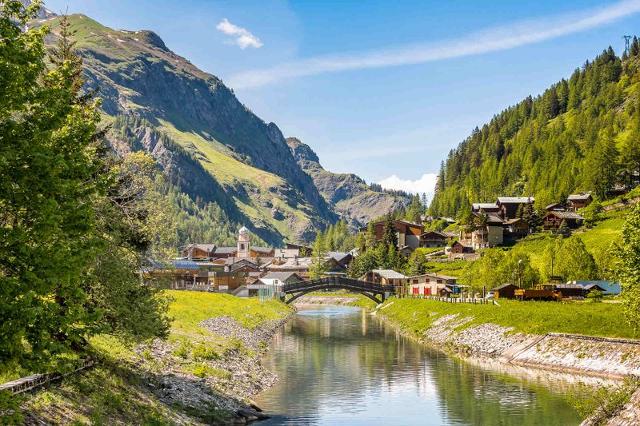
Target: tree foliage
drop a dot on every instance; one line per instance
(629, 266)
(581, 134)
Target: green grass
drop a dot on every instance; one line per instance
(117, 392)
(593, 319)
(453, 269)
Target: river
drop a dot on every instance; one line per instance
(341, 366)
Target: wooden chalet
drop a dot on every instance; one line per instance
(430, 285)
(408, 233)
(505, 291)
(384, 277)
(554, 219)
(515, 228)
(433, 239)
(206, 276)
(485, 208)
(458, 248)
(576, 290)
(509, 206)
(579, 201)
(198, 251)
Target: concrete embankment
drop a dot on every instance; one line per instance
(616, 358)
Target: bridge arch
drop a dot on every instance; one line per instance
(373, 291)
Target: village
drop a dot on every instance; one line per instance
(246, 270)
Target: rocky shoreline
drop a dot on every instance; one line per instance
(224, 382)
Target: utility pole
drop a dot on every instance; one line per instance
(626, 38)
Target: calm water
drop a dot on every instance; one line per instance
(341, 366)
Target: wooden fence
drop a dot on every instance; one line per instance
(472, 300)
(35, 381)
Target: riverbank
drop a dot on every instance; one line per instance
(204, 373)
(582, 338)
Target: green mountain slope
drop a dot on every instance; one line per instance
(582, 134)
(211, 146)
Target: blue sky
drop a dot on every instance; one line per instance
(382, 89)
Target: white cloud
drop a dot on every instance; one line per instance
(425, 184)
(490, 40)
(241, 36)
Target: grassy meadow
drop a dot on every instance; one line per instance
(593, 319)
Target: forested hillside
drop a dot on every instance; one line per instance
(581, 134)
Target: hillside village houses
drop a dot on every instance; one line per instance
(242, 268)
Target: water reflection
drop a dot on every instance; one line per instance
(339, 365)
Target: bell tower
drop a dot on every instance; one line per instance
(244, 245)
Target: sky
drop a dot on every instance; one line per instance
(378, 88)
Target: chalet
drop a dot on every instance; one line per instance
(278, 279)
(198, 251)
(343, 259)
(485, 208)
(433, 239)
(384, 277)
(458, 248)
(579, 201)
(190, 274)
(555, 207)
(430, 285)
(408, 233)
(607, 287)
(577, 290)
(302, 266)
(554, 219)
(489, 235)
(515, 228)
(505, 291)
(509, 206)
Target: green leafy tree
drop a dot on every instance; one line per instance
(319, 258)
(592, 213)
(50, 175)
(629, 266)
(575, 262)
(389, 234)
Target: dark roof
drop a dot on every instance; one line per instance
(205, 247)
(225, 250)
(515, 200)
(579, 197)
(189, 264)
(282, 276)
(478, 206)
(553, 205)
(439, 234)
(500, 287)
(566, 215)
(512, 221)
(262, 249)
(494, 218)
(338, 255)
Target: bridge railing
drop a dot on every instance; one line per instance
(337, 282)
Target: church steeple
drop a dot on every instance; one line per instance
(244, 244)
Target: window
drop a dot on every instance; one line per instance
(241, 246)
(427, 291)
(415, 281)
(416, 290)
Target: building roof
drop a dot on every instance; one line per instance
(553, 206)
(515, 200)
(281, 276)
(566, 215)
(262, 249)
(434, 275)
(436, 233)
(295, 264)
(389, 274)
(579, 197)
(338, 255)
(225, 250)
(205, 247)
(190, 264)
(478, 206)
(500, 287)
(609, 287)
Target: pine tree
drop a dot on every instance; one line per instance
(629, 272)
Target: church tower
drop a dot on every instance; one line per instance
(244, 245)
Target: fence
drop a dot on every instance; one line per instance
(472, 300)
(35, 381)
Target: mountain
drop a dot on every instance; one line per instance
(211, 147)
(581, 134)
(350, 195)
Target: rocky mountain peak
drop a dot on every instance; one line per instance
(301, 151)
